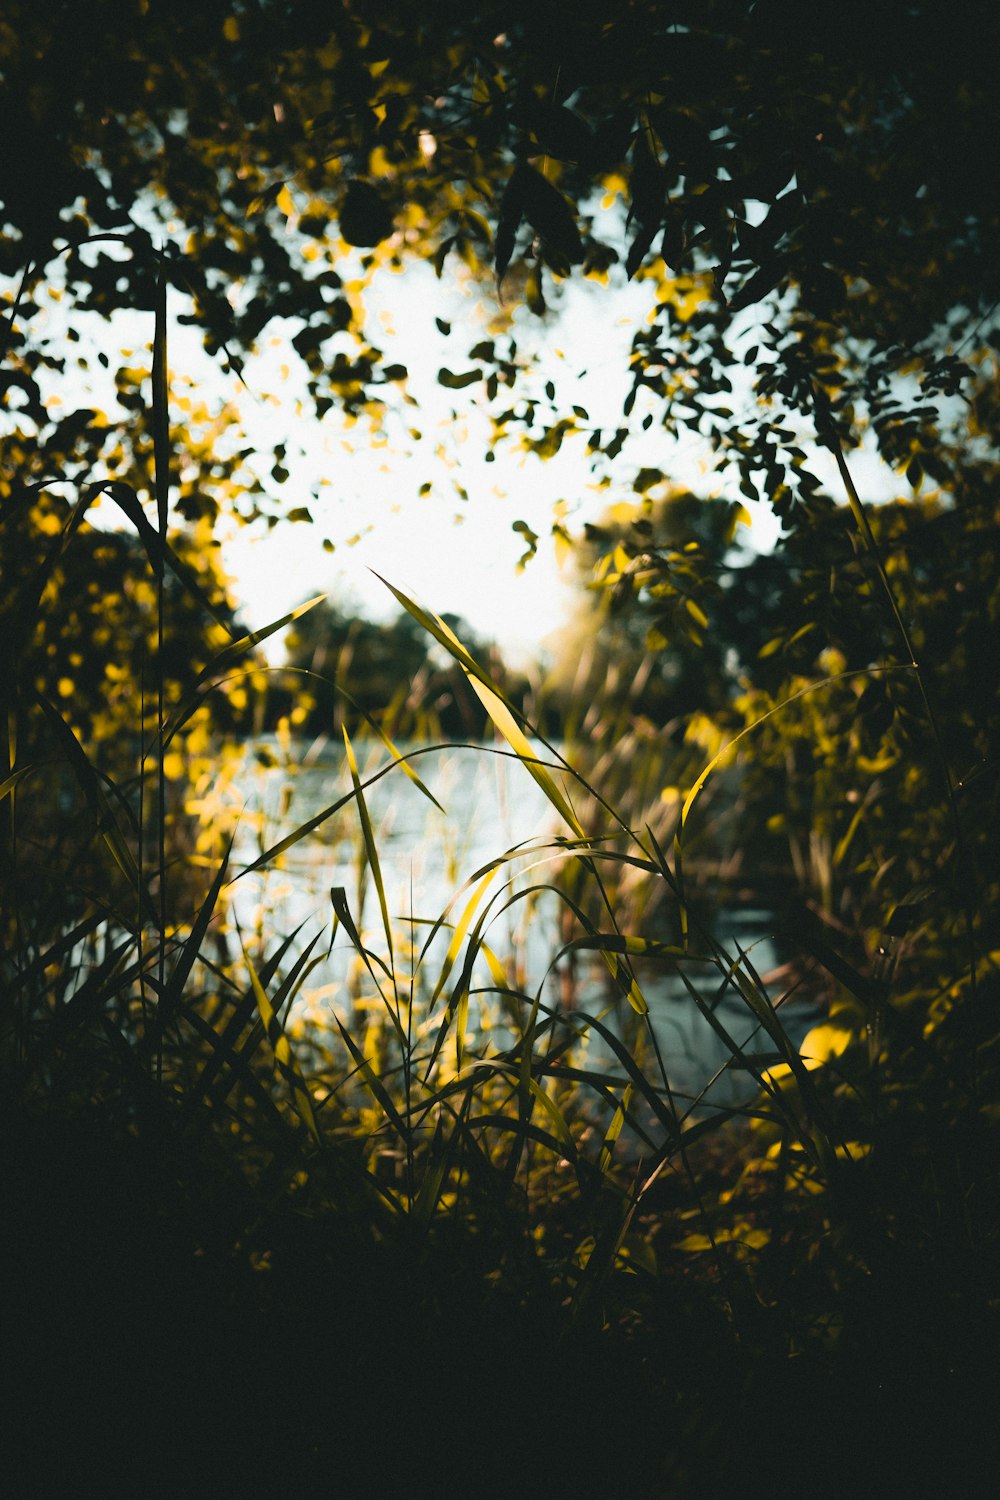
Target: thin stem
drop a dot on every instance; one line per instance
(828, 433)
(161, 467)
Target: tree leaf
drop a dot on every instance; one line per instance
(458, 382)
(551, 215)
(511, 212)
(365, 217)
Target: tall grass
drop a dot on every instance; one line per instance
(457, 1172)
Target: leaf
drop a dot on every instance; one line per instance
(459, 935)
(371, 850)
(511, 212)
(191, 948)
(372, 1081)
(560, 131)
(697, 613)
(824, 1043)
(533, 294)
(531, 542)
(158, 549)
(497, 706)
(639, 248)
(232, 653)
(614, 1130)
(365, 217)
(647, 184)
(10, 782)
(338, 900)
(220, 664)
(760, 283)
(551, 215)
(646, 479)
(458, 382)
(283, 1054)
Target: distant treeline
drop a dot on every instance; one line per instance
(343, 670)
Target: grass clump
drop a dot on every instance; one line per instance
(467, 1226)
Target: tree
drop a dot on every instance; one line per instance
(835, 173)
(347, 668)
(641, 641)
(82, 660)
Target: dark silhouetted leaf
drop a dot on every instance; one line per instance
(639, 247)
(551, 215)
(511, 211)
(761, 282)
(458, 382)
(648, 184)
(365, 217)
(561, 132)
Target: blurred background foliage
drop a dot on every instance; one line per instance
(345, 667)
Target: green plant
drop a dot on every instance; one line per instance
(462, 1164)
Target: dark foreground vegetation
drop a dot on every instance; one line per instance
(455, 1227)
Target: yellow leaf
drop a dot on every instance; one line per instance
(694, 1242)
(697, 613)
(823, 1043)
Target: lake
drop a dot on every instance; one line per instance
(491, 805)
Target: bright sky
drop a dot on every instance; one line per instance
(452, 554)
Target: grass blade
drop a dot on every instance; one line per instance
(496, 704)
(283, 1054)
(371, 851)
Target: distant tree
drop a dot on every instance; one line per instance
(845, 792)
(347, 666)
(640, 641)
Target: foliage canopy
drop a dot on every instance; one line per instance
(830, 180)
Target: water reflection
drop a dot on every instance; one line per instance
(432, 862)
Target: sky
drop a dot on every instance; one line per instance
(453, 554)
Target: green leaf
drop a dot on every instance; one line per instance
(371, 849)
(493, 700)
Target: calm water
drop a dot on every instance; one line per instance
(491, 805)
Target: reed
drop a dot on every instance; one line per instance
(454, 1189)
